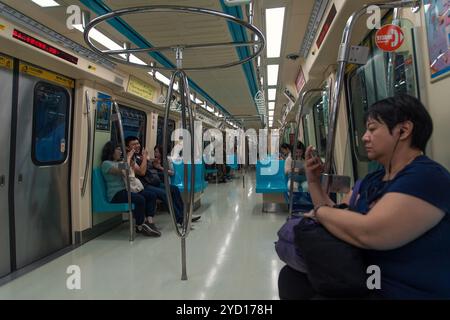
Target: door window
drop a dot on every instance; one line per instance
(50, 124)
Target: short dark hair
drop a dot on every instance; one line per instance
(286, 146)
(301, 146)
(129, 139)
(108, 151)
(401, 108)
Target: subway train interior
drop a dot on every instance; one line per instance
(100, 98)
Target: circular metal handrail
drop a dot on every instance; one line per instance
(260, 43)
(178, 72)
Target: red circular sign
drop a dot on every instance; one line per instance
(389, 38)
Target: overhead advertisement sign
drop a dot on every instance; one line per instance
(300, 81)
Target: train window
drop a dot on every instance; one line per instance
(50, 124)
(321, 121)
(159, 137)
(384, 75)
(306, 140)
(134, 124)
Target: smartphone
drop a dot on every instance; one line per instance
(314, 153)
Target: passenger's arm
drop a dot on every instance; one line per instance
(116, 171)
(142, 169)
(288, 165)
(394, 221)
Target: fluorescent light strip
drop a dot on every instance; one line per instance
(271, 113)
(272, 94)
(271, 106)
(162, 78)
(272, 74)
(46, 3)
(108, 43)
(274, 31)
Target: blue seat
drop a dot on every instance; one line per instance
(232, 162)
(178, 178)
(302, 201)
(270, 177)
(100, 203)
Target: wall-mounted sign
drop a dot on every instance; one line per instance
(437, 19)
(300, 81)
(326, 26)
(19, 35)
(103, 120)
(208, 121)
(6, 62)
(46, 75)
(389, 38)
(141, 89)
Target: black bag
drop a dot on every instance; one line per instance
(335, 268)
(151, 178)
(151, 175)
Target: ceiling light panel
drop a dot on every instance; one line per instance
(272, 94)
(272, 74)
(46, 3)
(271, 105)
(274, 31)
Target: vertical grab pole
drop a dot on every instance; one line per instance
(118, 118)
(391, 62)
(343, 58)
(89, 143)
(188, 197)
(297, 131)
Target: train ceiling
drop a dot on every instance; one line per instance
(233, 88)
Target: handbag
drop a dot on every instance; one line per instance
(136, 185)
(285, 247)
(334, 268)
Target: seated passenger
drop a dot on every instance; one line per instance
(144, 201)
(299, 168)
(403, 219)
(285, 151)
(158, 163)
(150, 179)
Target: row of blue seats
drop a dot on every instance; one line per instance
(102, 205)
(271, 178)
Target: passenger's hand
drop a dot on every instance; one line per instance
(310, 215)
(145, 153)
(130, 155)
(313, 166)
